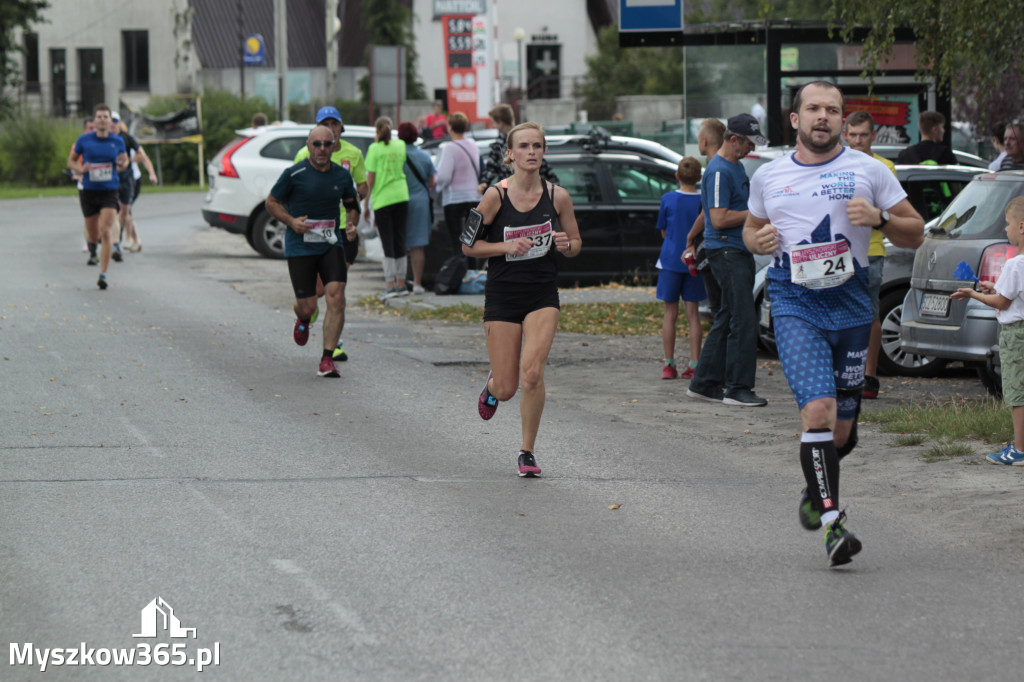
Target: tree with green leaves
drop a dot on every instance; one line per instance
(614, 71)
(971, 49)
(390, 23)
(14, 14)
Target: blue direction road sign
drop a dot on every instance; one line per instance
(650, 15)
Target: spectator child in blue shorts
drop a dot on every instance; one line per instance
(679, 209)
(1006, 295)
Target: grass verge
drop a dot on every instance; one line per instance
(17, 192)
(948, 424)
(603, 319)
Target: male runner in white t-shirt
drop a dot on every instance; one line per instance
(814, 211)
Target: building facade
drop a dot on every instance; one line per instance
(91, 51)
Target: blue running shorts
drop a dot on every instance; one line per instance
(674, 285)
(817, 361)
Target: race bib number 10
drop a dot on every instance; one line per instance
(320, 231)
(539, 234)
(821, 266)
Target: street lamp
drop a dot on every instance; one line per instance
(519, 35)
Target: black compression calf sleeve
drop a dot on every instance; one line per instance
(820, 464)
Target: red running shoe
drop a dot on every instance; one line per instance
(669, 372)
(301, 332)
(327, 369)
(687, 373)
(488, 404)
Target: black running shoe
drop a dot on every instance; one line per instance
(93, 260)
(840, 543)
(116, 255)
(102, 281)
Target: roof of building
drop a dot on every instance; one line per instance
(218, 39)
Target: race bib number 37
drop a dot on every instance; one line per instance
(821, 266)
(539, 234)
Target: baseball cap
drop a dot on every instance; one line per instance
(747, 126)
(328, 112)
(116, 116)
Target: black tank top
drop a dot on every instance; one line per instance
(536, 270)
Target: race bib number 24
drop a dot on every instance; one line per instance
(821, 266)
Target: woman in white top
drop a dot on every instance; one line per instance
(458, 178)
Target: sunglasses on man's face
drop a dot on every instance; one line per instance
(318, 144)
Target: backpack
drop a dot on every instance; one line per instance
(449, 277)
(475, 282)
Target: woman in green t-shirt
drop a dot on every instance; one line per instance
(388, 196)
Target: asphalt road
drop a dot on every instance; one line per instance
(166, 438)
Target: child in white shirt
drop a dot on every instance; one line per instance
(1006, 295)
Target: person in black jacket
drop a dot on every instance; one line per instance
(930, 149)
(494, 169)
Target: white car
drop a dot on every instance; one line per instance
(244, 171)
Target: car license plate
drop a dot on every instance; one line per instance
(766, 314)
(936, 305)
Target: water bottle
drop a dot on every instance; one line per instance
(691, 263)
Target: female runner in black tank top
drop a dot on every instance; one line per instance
(526, 224)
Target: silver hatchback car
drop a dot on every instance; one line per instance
(966, 244)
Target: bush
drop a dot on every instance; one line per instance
(34, 151)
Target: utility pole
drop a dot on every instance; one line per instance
(281, 56)
(333, 27)
(241, 50)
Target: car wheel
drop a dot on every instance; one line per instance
(765, 335)
(990, 373)
(268, 236)
(893, 360)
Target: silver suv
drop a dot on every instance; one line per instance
(966, 244)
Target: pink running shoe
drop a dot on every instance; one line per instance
(488, 404)
(669, 372)
(301, 332)
(528, 464)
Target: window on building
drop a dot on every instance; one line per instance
(136, 59)
(32, 62)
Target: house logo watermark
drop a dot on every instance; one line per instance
(156, 619)
(157, 615)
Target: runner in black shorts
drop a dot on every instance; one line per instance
(521, 300)
(306, 198)
(137, 155)
(97, 157)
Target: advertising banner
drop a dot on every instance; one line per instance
(895, 116)
(467, 59)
